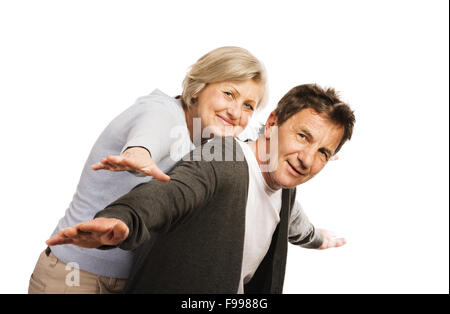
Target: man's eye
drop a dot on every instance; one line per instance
(302, 135)
(228, 94)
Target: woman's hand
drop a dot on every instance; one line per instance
(92, 234)
(133, 159)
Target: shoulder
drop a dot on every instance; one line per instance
(220, 151)
(221, 157)
(160, 101)
(154, 107)
(226, 158)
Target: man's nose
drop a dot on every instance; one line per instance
(306, 157)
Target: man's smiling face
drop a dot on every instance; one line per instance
(306, 141)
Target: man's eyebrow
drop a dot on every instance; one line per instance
(307, 133)
(326, 150)
(311, 138)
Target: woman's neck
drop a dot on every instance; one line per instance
(190, 113)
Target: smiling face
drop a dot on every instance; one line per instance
(306, 141)
(226, 107)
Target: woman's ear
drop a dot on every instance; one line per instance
(194, 99)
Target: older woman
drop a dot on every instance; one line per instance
(222, 90)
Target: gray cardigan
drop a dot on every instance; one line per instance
(189, 232)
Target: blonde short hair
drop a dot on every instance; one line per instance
(223, 64)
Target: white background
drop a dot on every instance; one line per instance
(69, 67)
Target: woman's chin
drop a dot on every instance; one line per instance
(225, 130)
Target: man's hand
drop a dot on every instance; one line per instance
(330, 240)
(92, 234)
(133, 159)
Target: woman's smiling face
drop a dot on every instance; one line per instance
(226, 107)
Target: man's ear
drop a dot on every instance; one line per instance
(271, 121)
(334, 157)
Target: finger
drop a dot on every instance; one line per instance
(117, 160)
(156, 173)
(110, 165)
(110, 238)
(102, 165)
(53, 240)
(70, 232)
(121, 162)
(340, 242)
(93, 226)
(58, 240)
(129, 163)
(118, 163)
(98, 166)
(120, 233)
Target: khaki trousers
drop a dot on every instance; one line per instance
(52, 276)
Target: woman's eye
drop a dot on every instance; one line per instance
(228, 94)
(249, 106)
(302, 135)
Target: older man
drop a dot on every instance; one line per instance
(222, 226)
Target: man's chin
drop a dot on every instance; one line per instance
(291, 183)
(290, 186)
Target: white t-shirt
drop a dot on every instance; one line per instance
(262, 216)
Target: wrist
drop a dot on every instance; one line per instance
(136, 150)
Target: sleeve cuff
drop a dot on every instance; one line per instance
(316, 240)
(117, 212)
(136, 173)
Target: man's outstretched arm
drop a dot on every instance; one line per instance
(152, 206)
(302, 232)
